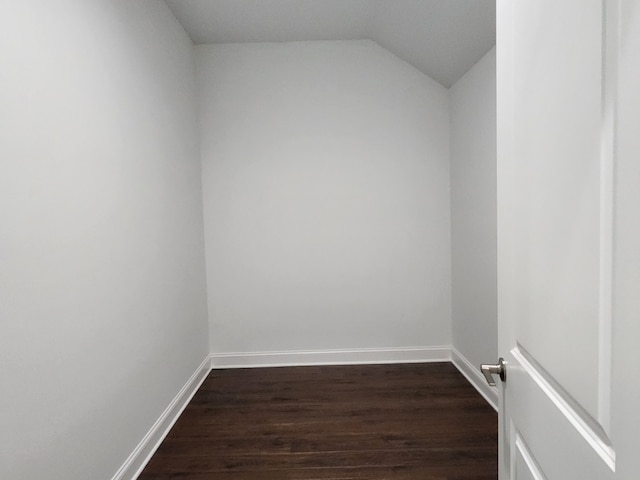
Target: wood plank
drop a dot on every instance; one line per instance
(419, 421)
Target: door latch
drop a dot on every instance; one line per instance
(489, 370)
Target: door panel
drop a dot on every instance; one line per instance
(561, 441)
(557, 108)
(555, 214)
(525, 467)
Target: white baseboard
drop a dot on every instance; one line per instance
(472, 373)
(139, 458)
(331, 357)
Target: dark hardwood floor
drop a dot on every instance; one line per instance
(409, 421)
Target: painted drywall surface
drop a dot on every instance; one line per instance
(326, 198)
(102, 284)
(473, 212)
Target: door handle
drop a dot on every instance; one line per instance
(489, 370)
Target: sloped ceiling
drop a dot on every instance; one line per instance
(442, 38)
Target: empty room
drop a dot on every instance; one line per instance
(319, 239)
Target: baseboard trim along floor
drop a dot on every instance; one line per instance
(133, 466)
(475, 378)
(360, 356)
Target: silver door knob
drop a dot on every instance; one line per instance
(489, 370)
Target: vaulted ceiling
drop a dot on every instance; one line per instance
(442, 38)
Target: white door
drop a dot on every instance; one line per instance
(569, 238)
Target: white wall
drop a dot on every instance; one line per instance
(102, 282)
(326, 198)
(473, 212)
